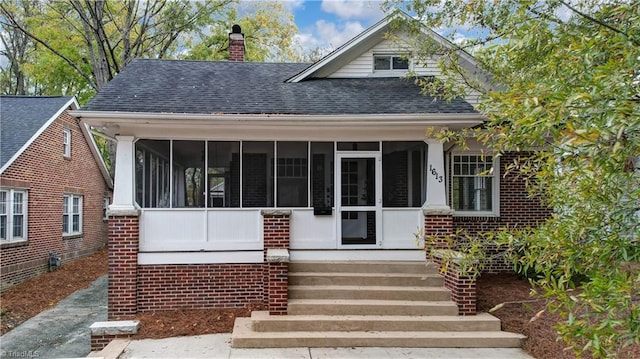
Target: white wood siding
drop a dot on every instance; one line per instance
(362, 66)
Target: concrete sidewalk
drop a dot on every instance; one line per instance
(62, 331)
(218, 346)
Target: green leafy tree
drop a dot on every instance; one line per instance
(82, 44)
(268, 29)
(565, 85)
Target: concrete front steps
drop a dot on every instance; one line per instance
(369, 304)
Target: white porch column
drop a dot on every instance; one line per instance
(123, 200)
(436, 189)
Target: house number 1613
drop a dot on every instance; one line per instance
(435, 174)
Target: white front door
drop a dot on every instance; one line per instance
(359, 201)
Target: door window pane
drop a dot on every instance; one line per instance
(358, 181)
(358, 227)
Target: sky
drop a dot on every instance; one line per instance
(327, 24)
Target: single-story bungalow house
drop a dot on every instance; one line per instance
(220, 163)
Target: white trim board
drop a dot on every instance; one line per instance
(221, 257)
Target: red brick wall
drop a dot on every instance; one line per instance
(276, 231)
(123, 266)
(196, 286)
(463, 288)
(276, 227)
(47, 175)
(100, 341)
(517, 209)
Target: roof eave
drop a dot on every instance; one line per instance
(108, 118)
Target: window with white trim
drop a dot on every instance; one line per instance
(13, 215)
(474, 185)
(71, 214)
(66, 142)
(390, 62)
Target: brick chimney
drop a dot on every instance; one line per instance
(236, 44)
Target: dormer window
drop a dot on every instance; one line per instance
(390, 62)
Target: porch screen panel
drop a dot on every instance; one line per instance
(223, 174)
(322, 174)
(257, 174)
(188, 174)
(402, 174)
(292, 174)
(152, 173)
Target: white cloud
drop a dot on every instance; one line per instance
(325, 36)
(353, 9)
(291, 5)
(331, 35)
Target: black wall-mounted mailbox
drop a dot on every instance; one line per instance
(322, 211)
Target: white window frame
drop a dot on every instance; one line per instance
(391, 69)
(495, 187)
(66, 142)
(7, 211)
(70, 212)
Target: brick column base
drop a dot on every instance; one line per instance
(123, 265)
(463, 288)
(278, 297)
(276, 253)
(438, 225)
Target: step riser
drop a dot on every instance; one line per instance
(363, 267)
(347, 309)
(426, 295)
(310, 279)
(367, 325)
(377, 342)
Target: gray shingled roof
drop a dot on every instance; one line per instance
(203, 87)
(21, 117)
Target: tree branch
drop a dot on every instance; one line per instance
(13, 23)
(601, 23)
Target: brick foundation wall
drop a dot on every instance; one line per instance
(48, 175)
(199, 286)
(137, 288)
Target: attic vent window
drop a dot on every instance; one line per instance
(390, 62)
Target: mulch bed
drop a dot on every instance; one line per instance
(45, 291)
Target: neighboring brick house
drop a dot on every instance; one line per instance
(219, 162)
(54, 187)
